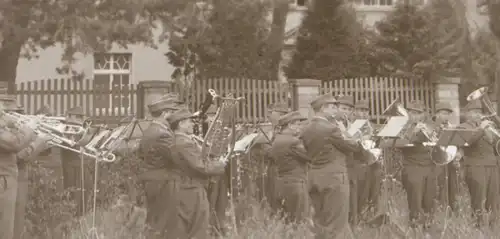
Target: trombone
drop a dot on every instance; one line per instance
(65, 136)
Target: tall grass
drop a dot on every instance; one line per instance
(118, 216)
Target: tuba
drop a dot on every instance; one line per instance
(492, 120)
(395, 108)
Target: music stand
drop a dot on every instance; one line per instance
(459, 137)
(394, 127)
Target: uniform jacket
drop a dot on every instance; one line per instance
(480, 152)
(289, 156)
(12, 141)
(417, 154)
(186, 159)
(154, 146)
(325, 144)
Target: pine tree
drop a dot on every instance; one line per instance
(330, 44)
(404, 44)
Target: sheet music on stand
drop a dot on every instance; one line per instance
(459, 137)
(394, 127)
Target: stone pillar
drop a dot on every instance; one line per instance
(303, 92)
(446, 90)
(149, 91)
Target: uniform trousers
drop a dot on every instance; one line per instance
(21, 202)
(8, 194)
(329, 192)
(176, 209)
(420, 183)
(292, 197)
(482, 182)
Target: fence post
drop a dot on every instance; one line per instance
(147, 92)
(303, 92)
(446, 90)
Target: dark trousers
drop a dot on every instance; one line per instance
(482, 182)
(420, 183)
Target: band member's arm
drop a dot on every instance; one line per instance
(34, 148)
(478, 136)
(300, 151)
(14, 140)
(345, 144)
(191, 153)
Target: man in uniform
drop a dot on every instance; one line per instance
(367, 178)
(36, 147)
(16, 142)
(480, 167)
(448, 174)
(262, 144)
(345, 106)
(291, 162)
(329, 149)
(176, 191)
(419, 175)
(154, 151)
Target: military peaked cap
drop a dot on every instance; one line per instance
(362, 104)
(416, 105)
(474, 105)
(290, 118)
(170, 101)
(77, 110)
(443, 106)
(179, 115)
(280, 107)
(346, 100)
(323, 99)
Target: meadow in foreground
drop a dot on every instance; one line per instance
(117, 217)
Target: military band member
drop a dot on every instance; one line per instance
(480, 168)
(448, 174)
(328, 179)
(345, 107)
(266, 174)
(419, 172)
(187, 194)
(39, 144)
(291, 162)
(15, 143)
(154, 150)
(369, 178)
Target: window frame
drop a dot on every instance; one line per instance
(111, 73)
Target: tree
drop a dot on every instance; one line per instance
(80, 26)
(330, 44)
(229, 40)
(403, 46)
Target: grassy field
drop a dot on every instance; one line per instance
(49, 213)
(117, 223)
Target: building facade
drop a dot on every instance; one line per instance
(141, 63)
